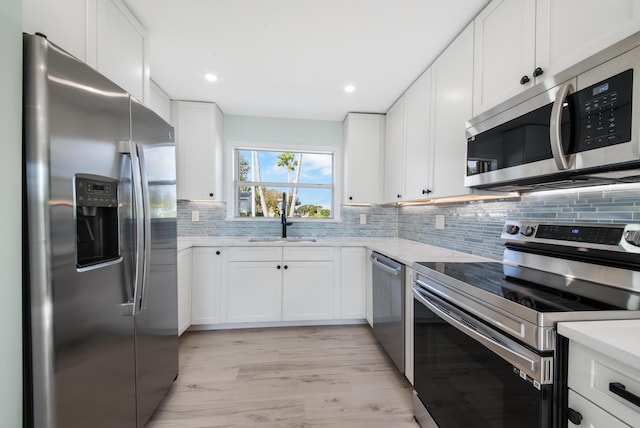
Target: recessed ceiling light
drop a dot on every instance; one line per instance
(211, 77)
(349, 89)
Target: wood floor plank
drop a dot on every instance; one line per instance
(328, 376)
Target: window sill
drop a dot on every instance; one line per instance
(291, 219)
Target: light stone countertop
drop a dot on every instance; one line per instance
(619, 339)
(402, 250)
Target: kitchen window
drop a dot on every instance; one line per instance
(262, 176)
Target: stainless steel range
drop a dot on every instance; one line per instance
(486, 349)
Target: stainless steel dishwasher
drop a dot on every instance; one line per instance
(388, 306)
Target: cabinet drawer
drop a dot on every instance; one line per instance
(307, 253)
(590, 375)
(592, 415)
(255, 254)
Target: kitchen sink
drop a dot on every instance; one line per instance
(276, 239)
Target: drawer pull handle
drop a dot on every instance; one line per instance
(621, 391)
(574, 416)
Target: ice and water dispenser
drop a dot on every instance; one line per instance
(96, 220)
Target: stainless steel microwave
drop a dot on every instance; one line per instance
(585, 130)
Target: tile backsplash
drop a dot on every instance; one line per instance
(471, 227)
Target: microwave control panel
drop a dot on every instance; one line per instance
(605, 112)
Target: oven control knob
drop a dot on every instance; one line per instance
(512, 229)
(574, 417)
(528, 230)
(633, 237)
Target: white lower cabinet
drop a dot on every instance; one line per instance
(307, 291)
(254, 291)
(591, 415)
(280, 284)
(184, 290)
(207, 285)
(597, 385)
(353, 276)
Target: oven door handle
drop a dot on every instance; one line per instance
(531, 365)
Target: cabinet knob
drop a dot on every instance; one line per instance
(286, 267)
(278, 267)
(525, 79)
(426, 191)
(538, 72)
(211, 194)
(351, 198)
(574, 417)
(399, 195)
(217, 252)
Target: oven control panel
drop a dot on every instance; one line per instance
(615, 237)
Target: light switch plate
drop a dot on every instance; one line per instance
(439, 222)
(363, 219)
(195, 215)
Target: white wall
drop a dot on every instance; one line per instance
(290, 132)
(10, 214)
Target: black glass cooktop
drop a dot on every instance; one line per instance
(490, 277)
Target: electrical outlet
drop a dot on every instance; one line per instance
(195, 215)
(363, 219)
(439, 222)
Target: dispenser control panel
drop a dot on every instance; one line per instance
(96, 193)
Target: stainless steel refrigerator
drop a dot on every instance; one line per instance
(101, 329)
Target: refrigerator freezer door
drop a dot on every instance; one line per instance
(157, 321)
(82, 346)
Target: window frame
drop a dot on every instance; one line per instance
(232, 175)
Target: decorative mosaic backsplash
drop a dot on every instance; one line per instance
(471, 227)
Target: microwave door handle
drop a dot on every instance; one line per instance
(555, 127)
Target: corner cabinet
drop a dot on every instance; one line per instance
(394, 154)
(363, 145)
(199, 130)
(408, 150)
(451, 91)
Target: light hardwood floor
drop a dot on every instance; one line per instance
(330, 376)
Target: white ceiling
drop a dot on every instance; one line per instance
(293, 58)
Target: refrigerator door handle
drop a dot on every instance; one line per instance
(138, 205)
(146, 223)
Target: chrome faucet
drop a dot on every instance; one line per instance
(283, 215)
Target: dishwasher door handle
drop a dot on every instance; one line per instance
(391, 270)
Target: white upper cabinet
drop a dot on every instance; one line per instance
(418, 156)
(569, 31)
(102, 33)
(394, 154)
(521, 43)
(504, 52)
(363, 145)
(120, 49)
(199, 130)
(451, 88)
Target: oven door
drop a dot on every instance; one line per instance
(468, 375)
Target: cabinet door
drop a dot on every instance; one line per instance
(254, 291)
(364, 135)
(504, 52)
(121, 49)
(452, 74)
(307, 291)
(184, 290)
(569, 31)
(353, 276)
(394, 153)
(417, 154)
(198, 146)
(592, 415)
(206, 286)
